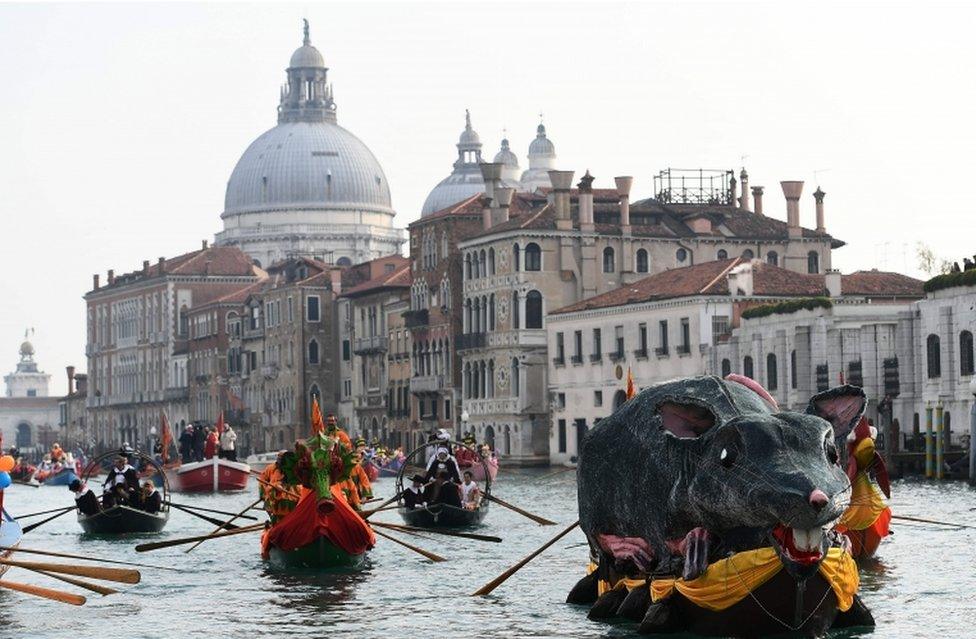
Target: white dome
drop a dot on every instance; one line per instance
(541, 145)
(307, 165)
(305, 57)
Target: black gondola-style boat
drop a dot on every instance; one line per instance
(122, 519)
(440, 515)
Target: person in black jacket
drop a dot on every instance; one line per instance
(413, 495)
(85, 499)
(122, 481)
(152, 501)
(199, 442)
(186, 444)
(444, 491)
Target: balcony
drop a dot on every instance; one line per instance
(269, 371)
(596, 357)
(470, 340)
(369, 345)
(617, 356)
(558, 361)
(684, 349)
(426, 384)
(416, 319)
(640, 353)
(176, 394)
(661, 351)
(576, 360)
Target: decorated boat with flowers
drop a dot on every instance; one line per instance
(311, 497)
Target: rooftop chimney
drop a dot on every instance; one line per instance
(818, 195)
(162, 264)
(503, 196)
(491, 172)
(624, 183)
(792, 190)
(95, 282)
(757, 192)
(71, 378)
(335, 276)
(485, 202)
(111, 277)
(562, 181)
(586, 201)
(733, 190)
(145, 268)
(833, 282)
(744, 200)
(204, 245)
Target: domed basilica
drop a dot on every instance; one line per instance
(308, 186)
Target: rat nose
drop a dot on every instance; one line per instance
(818, 499)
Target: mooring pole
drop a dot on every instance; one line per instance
(928, 443)
(939, 441)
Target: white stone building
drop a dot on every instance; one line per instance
(28, 416)
(309, 187)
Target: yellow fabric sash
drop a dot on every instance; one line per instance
(728, 581)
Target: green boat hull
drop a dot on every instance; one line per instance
(318, 555)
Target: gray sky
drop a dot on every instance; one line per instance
(120, 124)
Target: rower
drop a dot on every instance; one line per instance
(444, 491)
(413, 495)
(443, 461)
(85, 500)
(152, 501)
(470, 493)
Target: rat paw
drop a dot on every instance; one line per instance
(630, 554)
(695, 548)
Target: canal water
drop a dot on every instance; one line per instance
(922, 584)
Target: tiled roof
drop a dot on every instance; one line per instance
(471, 206)
(226, 261)
(709, 278)
(398, 278)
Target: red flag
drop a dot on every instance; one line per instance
(631, 391)
(318, 426)
(166, 438)
(220, 424)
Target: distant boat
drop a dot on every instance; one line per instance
(259, 461)
(208, 476)
(443, 516)
(61, 477)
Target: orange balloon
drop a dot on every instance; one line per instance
(6, 463)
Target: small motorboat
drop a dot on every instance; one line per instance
(209, 476)
(122, 519)
(259, 461)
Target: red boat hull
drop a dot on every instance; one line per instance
(209, 476)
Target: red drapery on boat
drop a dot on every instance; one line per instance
(342, 526)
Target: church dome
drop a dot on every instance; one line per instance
(505, 155)
(307, 165)
(541, 145)
(26, 350)
(306, 56)
(542, 159)
(465, 180)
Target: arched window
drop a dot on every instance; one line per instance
(772, 258)
(476, 312)
(533, 310)
(813, 262)
(723, 254)
(748, 254)
(747, 366)
(726, 367)
(609, 263)
(772, 375)
(933, 356)
(642, 261)
(342, 261)
(467, 380)
(185, 321)
(681, 255)
(966, 353)
(467, 266)
(23, 437)
(491, 378)
(515, 309)
(515, 258)
(483, 263)
(475, 271)
(515, 377)
(491, 261)
(533, 257)
(483, 379)
(313, 352)
(491, 312)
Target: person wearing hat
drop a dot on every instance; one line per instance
(444, 462)
(85, 500)
(122, 480)
(413, 495)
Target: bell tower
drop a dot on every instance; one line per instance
(307, 96)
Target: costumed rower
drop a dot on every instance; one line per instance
(866, 520)
(273, 491)
(359, 476)
(85, 499)
(443, 461)
(322, 464)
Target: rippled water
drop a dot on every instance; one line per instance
(922, 585)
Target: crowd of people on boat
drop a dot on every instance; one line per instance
(122, 487)
(200, 442)
(443, 483)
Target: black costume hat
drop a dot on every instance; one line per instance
(418, 478)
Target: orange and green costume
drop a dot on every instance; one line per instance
(866, 521)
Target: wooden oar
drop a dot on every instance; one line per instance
(47, 593)
(225, 523)
(277, 487)
(102, 590)
(931, 521)
(367, 513)
(121, 575)
(43, 512)
(554, 473)
(421, 551)
(539, 520)
(26, 483)
(437, 531)
(156, 545)
(211, 520)
(381, 506)
(208, 510)
(70, 556)
(27, 529)
(500, 579)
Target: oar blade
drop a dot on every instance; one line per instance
(121, 575)
(47, 593)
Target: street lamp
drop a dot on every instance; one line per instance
(465, 416)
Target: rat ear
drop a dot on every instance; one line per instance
(842, 406)
(685, 420)
(755, 387)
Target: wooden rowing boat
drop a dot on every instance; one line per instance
(122, 520)
(10, 534)
(443, 516)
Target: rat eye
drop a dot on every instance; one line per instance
(727, 457)
(831, 451)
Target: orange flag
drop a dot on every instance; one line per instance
(220, 424)
(166, 437)
(631, 391)
(318, 426)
